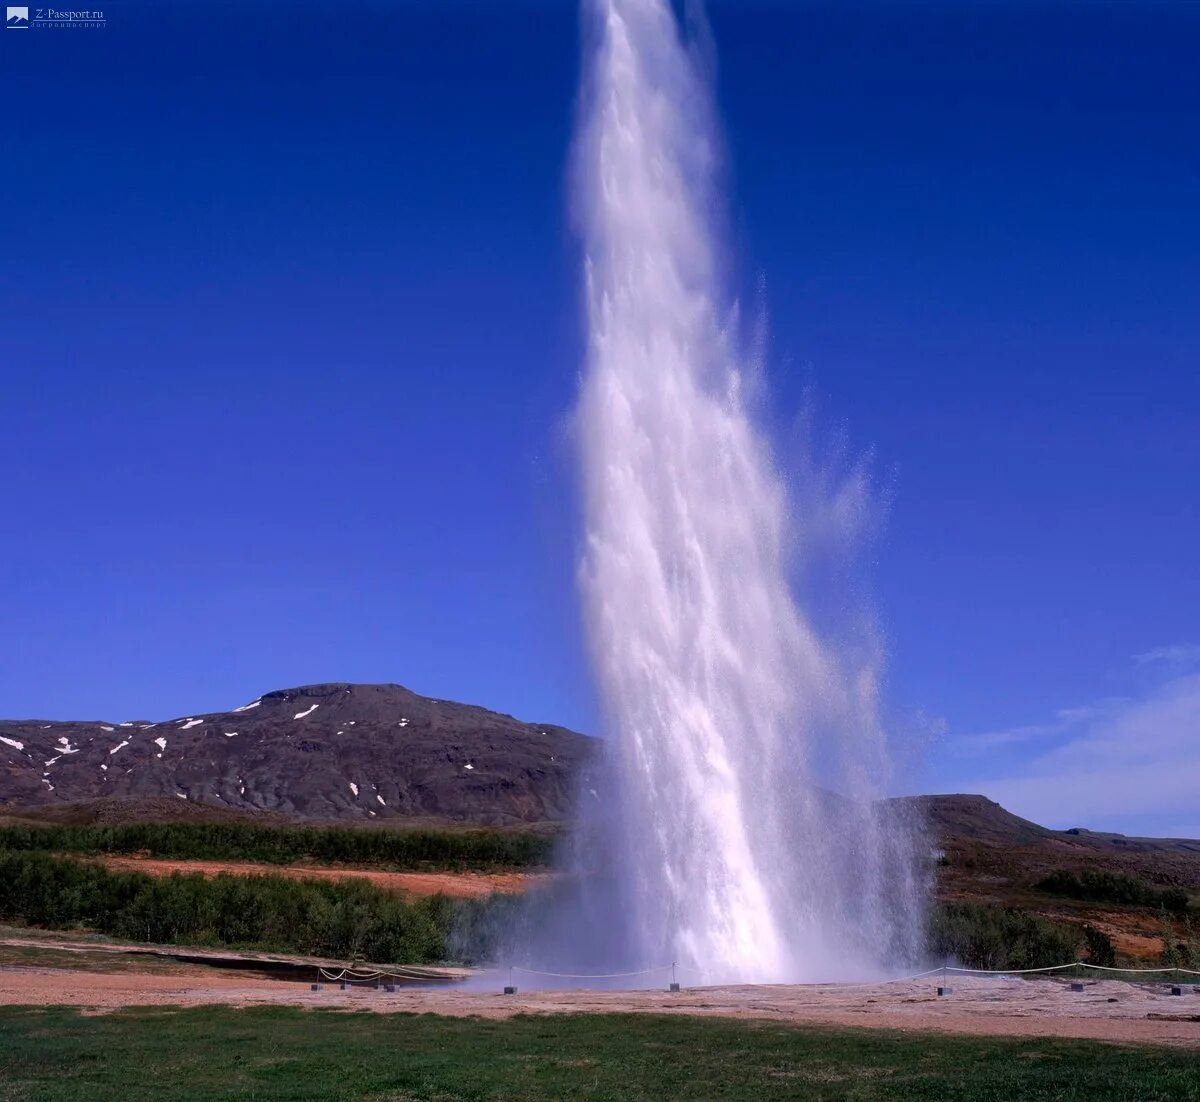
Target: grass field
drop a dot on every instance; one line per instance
(214, 1053)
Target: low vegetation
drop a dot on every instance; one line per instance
(1099, 946)
(60, 1055)
(1098, 886)
(999, 938)
(285, 845)
(352, 919)
(344, 919)
(1181, 942)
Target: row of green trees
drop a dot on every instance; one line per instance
(377, 847)
(1113, 887)
(347, 919)
(352, 919)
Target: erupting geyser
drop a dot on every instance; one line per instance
(742, 837)
(715, 683)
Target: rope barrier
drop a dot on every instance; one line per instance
(596, 976)
(826, 983)
(364, 975)
(1005, 971)
(870, 983)
(1061, 967)
(1103, 968)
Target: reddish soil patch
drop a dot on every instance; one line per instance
(459, 885)
(1134, 933)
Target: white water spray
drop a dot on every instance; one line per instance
(726, 706)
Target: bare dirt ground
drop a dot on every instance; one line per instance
(1106, 1011)
(94, 953)
(1135, 933)
(459, 885)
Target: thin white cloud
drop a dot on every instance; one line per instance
(1064, 721)
(1107, 765)
(1180, 656)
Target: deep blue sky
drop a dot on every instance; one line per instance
(289, 336)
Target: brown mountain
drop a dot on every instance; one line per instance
(980, 830)
(319, 752)
(989, 855)
(372, 753)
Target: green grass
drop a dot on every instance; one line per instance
(208, 1053)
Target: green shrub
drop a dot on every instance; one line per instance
(1181, 949)
(345, 919)
(996, 938)
(281, 845)
(1099, 946)
(1112, 887)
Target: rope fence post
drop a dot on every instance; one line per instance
(511, 988)
(674, 988)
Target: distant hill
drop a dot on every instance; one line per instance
(319, 752)
(974, 817)
(989, 855)
(972, 820)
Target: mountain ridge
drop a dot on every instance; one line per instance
(351, 752)
(329, 751)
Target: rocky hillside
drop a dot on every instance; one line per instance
(979, 830)
(321, 752)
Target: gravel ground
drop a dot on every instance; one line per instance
(1107, 1010)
